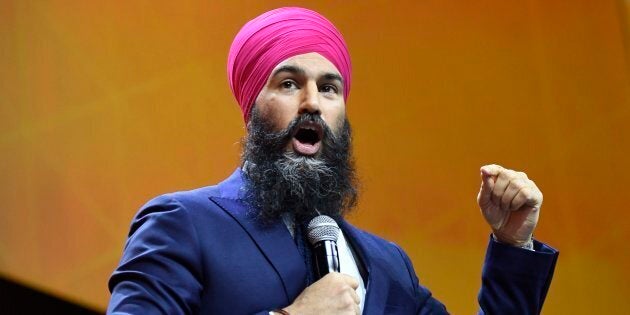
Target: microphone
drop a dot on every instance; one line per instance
(323, 232)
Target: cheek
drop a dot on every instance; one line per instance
(335, 117)
(275, 109)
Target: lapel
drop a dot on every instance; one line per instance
(274, 241)
(377, 286)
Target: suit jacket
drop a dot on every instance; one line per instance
(202, 252)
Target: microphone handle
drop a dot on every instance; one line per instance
(326, 258)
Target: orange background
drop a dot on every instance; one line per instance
(105, 105)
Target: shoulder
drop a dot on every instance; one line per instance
(194, 198)
(189, 199)
(199, 198)
(190, 207)
(193, 210)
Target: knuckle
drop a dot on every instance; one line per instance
(338, 290)
(504, 173)
(347, 301)
(496, 196)
(350, 290)
(529, 195)
(516, 183)
(522, 183)
(531, 199)
(335, 276)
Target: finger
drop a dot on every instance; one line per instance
(528, 196)
(538, 195)
(515, 185)
(355, 297)
(489, 174)
(520, 199)
(485, 192)
(351, 281)
(491, 169)
(534, 196)
(500, 186)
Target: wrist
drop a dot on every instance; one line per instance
(528, 243)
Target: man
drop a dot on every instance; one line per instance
(238, 247)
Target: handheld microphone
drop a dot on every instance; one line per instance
(323, 232)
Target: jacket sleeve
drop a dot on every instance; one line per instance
(516, 280)
(160, 269)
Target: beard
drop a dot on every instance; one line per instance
(282, 182)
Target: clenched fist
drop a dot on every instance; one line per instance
(510, 203)
(333, 294)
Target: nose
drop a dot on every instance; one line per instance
(310, 99)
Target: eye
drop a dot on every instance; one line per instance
(329, 88)
(288, 84)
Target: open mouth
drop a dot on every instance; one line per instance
(307, 138)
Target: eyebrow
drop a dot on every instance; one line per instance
(299, 71)
(332, 77)
(289, 69)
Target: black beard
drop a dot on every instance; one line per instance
(283, 182)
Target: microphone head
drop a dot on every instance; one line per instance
(322, 228)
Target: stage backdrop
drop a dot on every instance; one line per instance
(106, 105)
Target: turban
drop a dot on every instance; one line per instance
(275, 36)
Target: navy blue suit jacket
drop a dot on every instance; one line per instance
(201, 252)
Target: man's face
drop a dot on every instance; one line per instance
(307, 83)
(298, 144)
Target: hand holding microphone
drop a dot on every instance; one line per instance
(333, 294)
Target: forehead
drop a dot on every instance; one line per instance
(311, 63)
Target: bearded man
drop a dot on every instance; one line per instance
(238, 247)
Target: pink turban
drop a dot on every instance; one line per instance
(275, 36)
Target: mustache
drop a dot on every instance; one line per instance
(278, 140)
(298, 121)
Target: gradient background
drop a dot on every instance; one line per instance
(105, 105)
